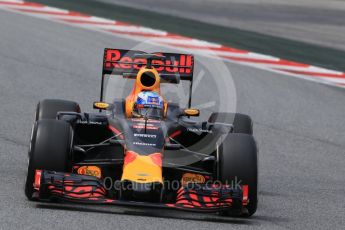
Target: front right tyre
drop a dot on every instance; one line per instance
(50, 149)
(48, 108)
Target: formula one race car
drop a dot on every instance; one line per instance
(142, 150)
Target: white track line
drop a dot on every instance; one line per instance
(209, 49)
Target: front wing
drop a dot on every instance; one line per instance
(49, 185)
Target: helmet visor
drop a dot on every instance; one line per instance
(149, 112)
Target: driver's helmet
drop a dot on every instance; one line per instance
(149, 104)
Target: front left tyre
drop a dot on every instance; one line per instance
(238, 165)
(242, 123)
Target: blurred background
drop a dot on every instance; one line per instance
(320, 22)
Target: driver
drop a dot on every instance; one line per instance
(149, 104)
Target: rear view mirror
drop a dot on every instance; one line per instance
(101, 105)
(191, 112)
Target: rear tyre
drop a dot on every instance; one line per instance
(238, 162)
(50, 149)
(48, 108)
(242, 123)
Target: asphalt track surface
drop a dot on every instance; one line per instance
(259, 14)
(299, 126)
(318, 22)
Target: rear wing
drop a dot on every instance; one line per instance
(172, 67)
(122, 62)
